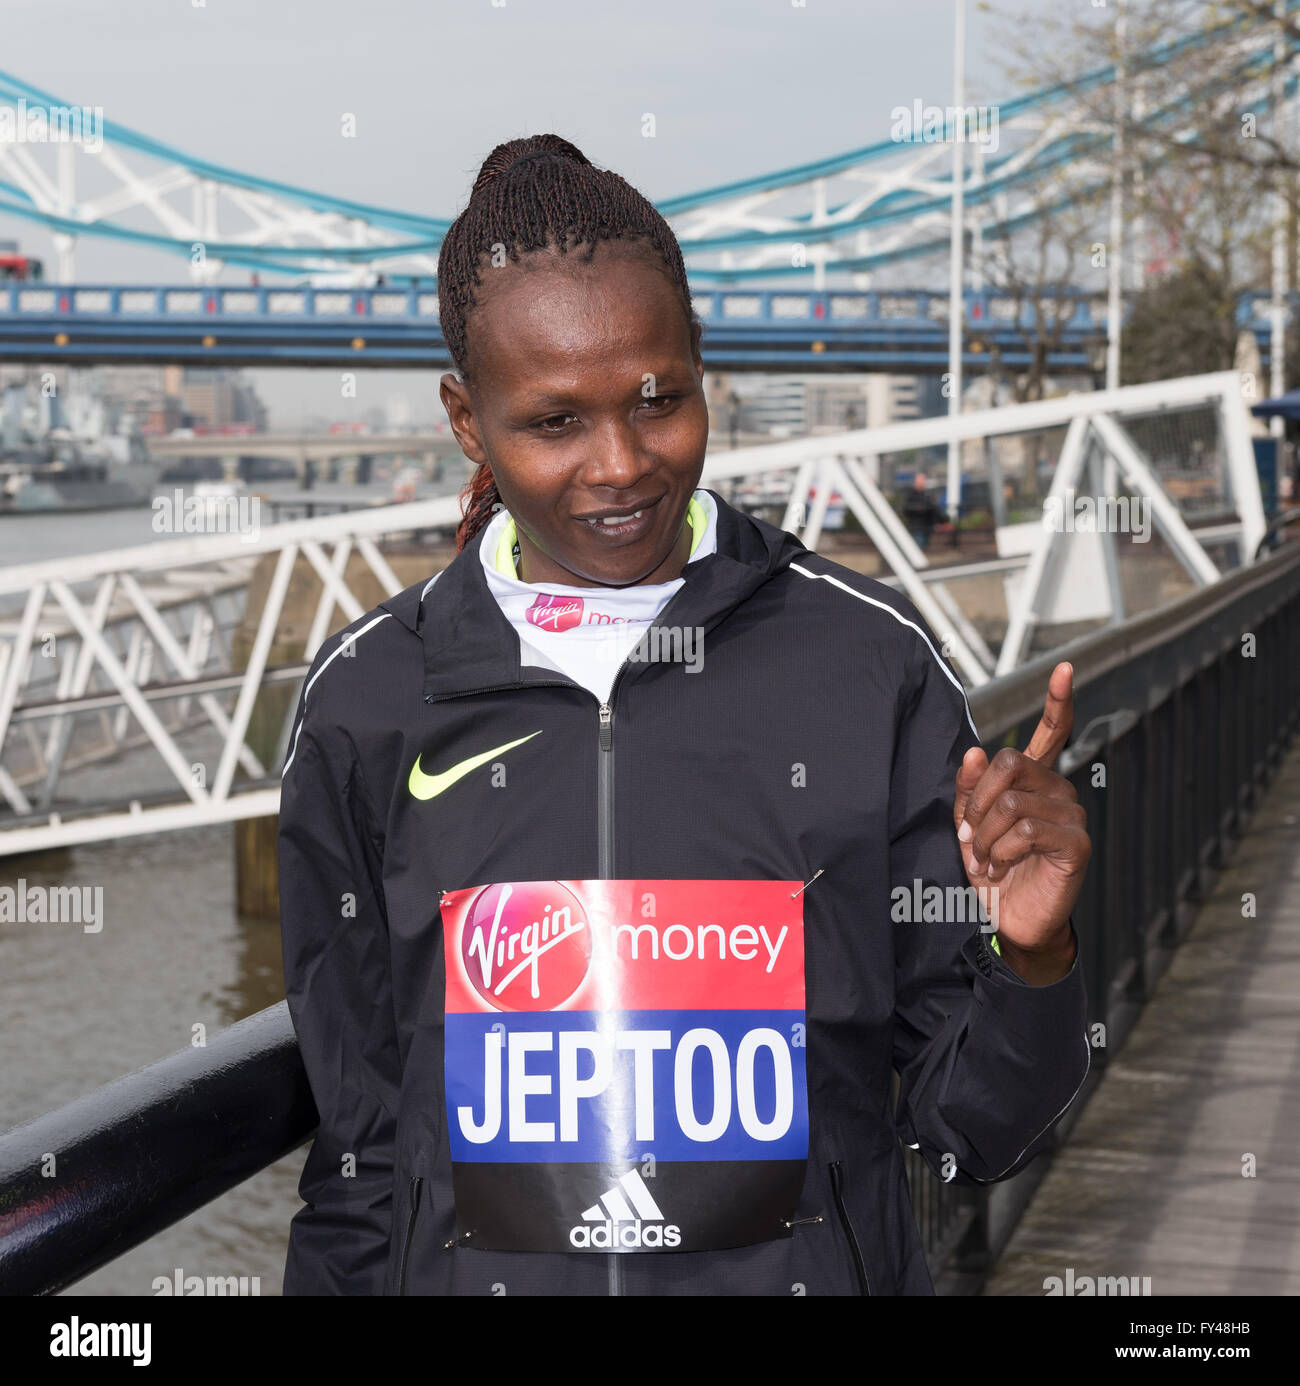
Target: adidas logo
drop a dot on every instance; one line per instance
(626, 1218)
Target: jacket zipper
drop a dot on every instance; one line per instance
(605, 857)
(605, 834)
(837, 1190)
(604, 831)
(417, 1183)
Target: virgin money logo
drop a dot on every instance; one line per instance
(526, 947)
(555, 613)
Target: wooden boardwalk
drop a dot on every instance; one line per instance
(1150, 1181)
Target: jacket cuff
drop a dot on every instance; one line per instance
(1030, 1037)
(983, 953)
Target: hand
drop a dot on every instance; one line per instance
(1023, 837)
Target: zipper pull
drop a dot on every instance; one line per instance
(606, 726)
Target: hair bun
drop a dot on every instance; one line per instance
(530, 149)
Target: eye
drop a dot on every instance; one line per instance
(542, 426)
(659, 399)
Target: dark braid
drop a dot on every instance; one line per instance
(536, 194)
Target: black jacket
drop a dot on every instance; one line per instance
(921, 509)
(820, 733)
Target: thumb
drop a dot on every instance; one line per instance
(973, 765)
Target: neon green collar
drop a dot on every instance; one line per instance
(504, 561)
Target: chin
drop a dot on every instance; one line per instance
(624, 578)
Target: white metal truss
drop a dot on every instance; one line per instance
(850, 213)
(1025, 614)
(111, 178)
(846, 218)
(122, 658)
(820, 465)
(140, 624)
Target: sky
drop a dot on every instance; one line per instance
(736, 87)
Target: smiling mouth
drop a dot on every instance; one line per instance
(618, 519)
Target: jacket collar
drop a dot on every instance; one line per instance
(470, 646)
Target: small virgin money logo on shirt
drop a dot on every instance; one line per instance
(555, 613)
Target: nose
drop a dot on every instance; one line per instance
(616, 460)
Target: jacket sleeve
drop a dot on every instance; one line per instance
(986, 1062)
(338, 983)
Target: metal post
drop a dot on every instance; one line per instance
(956, 305)
(1022, 614)
(1277, 312)
(1114, 251)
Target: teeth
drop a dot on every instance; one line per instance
(617, 519)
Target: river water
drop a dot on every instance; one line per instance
(35, 537)
(79, 1009)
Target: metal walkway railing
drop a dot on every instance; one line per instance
(1182, 716)
(167, 651)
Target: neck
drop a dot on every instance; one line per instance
(538, 567)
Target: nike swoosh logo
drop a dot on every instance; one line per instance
(430, 786)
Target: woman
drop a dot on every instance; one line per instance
(600, 851)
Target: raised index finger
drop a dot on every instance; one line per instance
(1057, 721)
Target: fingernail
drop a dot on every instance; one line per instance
(965, 832)
(974, 863)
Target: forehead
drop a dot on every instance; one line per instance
(552, 314)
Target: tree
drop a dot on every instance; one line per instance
(1207, 172)
(1181, 324)
(1033, 273)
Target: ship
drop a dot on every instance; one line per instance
(65, 474)
(49, 462)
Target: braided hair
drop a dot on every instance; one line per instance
(532, 194)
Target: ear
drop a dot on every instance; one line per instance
(455, 397)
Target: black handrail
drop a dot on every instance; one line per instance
(1151, 702)
(1186, 722)
(90, 1180)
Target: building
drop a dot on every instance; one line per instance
(834, 403)
(214, 398)
(775, 405)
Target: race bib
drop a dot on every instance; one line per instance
(625, 1063)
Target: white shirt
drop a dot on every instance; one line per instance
(585, 633)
